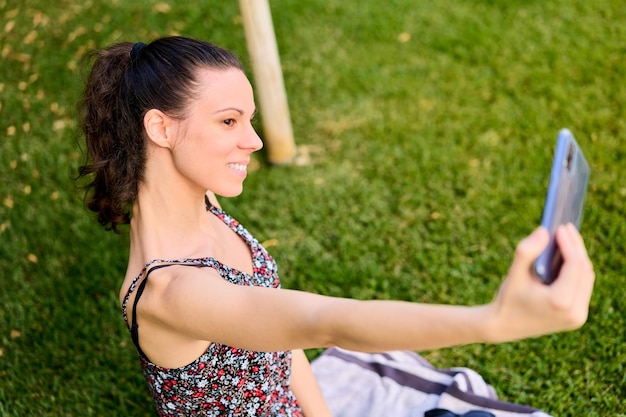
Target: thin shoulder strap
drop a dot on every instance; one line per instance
(134, 327)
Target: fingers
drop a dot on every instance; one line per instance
(527, 307)
(576, 263)
(573, 288)
(571, 244)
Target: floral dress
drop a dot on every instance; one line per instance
(224, 380)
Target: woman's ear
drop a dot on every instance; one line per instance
(158, 128)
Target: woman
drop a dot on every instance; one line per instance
(168, 127)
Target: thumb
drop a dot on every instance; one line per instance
(528, 250)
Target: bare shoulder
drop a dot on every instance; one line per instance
(169, 288)
(169, 317)
(197, 304)
(163, 285)
(185, 299)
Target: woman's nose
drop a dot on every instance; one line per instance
(252, 140)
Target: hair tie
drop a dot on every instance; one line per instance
(136, 50)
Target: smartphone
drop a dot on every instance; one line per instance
(564, 201)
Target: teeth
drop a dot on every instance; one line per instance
(238, 167)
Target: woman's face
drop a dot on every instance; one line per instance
(214, 142)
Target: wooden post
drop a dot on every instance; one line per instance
(269, 84)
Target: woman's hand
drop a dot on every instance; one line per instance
(525, 307)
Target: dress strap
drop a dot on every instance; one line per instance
(134, 327)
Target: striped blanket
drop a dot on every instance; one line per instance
(404, 384)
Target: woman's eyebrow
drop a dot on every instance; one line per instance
(229, 109)
(238, 110)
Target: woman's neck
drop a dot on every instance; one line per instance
(168, 223)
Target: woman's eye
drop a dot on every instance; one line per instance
(229, 122)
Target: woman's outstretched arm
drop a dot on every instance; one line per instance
(197, 304)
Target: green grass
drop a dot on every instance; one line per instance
(429, 129)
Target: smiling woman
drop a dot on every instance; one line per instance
(210, 148)
(168, 127)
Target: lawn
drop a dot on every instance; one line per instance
(425, 133)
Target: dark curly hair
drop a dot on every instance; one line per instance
(125, 81)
